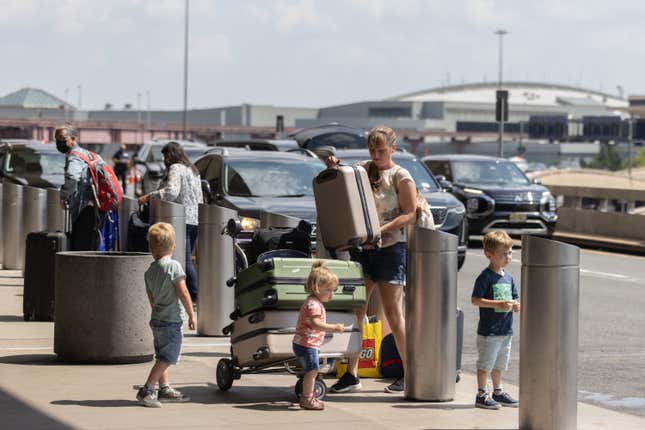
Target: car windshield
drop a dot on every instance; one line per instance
(192, 153)
(488, 172)
(423, 179)
(270, 178)
(27, 161)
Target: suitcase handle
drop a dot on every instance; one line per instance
(349, 288)
(326, 175)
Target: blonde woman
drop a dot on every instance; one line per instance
(385, 267)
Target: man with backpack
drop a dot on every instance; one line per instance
(89, 190)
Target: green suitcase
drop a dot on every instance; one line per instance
(279, 283)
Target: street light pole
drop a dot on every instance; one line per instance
(185, 71)
(501, 34)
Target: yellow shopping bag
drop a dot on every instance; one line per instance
(369, 362)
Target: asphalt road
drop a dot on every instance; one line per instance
(611, 354)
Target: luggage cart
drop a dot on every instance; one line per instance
(229, 369)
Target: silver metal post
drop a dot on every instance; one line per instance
(185, 72)
(630, 142)
(430, 323)
(216, 264)
(175, 214)
(549, 335)
(501, 34)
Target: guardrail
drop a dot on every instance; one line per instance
(607, 212)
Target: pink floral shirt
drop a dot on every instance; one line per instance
(306, 335)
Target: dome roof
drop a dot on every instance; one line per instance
(526, 93)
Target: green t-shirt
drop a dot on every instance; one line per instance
(161, 278)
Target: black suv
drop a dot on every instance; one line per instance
(448, 212)
(496, 193)
(31, 162)
(259, 184)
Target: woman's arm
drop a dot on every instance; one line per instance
(173, 185)
(407, 203)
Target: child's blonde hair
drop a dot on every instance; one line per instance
(161, 239)
(493, 240)
(320, 276)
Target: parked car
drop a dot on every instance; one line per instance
(449, 213)
(258, 184)
(496, 193)
(31, 162)
(149, 166)
(259, 144)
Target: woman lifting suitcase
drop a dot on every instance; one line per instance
(384, 267)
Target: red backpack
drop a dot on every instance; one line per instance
(105, 184)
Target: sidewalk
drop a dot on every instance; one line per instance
(38, 392)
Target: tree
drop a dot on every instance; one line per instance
(607, 159)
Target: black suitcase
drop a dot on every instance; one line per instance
(137, 233)
(40, 266)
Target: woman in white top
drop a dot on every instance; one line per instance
(182, 185)
(385, 267)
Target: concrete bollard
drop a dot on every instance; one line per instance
(102, 310)
(13, 255)
(34, 214)
(216, 264)
(55, 214)
(430, 323)
(549, 335)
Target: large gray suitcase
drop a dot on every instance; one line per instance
(347, 215)
(267, 336)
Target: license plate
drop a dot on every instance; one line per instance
(517, 217)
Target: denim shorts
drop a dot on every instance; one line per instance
(383, 265)
(494, 352)
(168, 337)
(308, 357)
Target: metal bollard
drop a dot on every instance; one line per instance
(127, 207)
(430, 324)
(55, 214)
(1, 235)
(549, 335)
(13, 255)
(216, 264)
(34, 213)
(175, 214)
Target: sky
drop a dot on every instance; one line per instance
(311, 53)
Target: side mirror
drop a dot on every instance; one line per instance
(206, 187)
(445, 184)
(137, 160)
(537, 181)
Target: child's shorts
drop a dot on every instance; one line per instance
(308, 357)
(168, 337)
(494, 352)
(383, 265)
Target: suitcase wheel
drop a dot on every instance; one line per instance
(231, 281)
(458, 375)
(320, 388)
(227, 330)
(225, 374)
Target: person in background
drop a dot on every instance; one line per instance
(76, 193)
(121, 160)
(182, 185)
